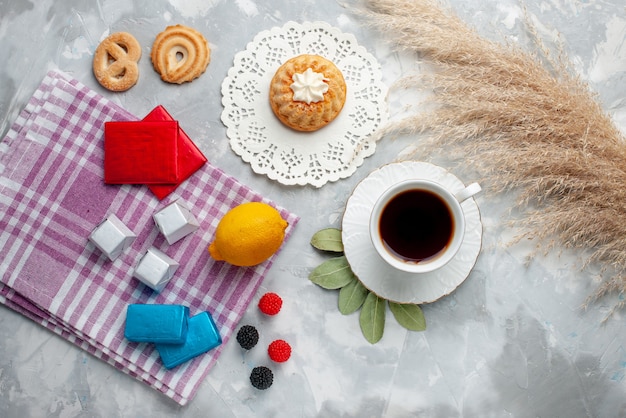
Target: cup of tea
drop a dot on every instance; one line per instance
(418, 225)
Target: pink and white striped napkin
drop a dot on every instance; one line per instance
(52, 195)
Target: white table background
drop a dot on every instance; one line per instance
(512, 341)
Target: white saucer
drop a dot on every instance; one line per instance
(376, 274)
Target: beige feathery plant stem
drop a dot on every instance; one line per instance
(526, 120)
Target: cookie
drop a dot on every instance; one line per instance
(307, 92)
(180, 54)
(115, 62)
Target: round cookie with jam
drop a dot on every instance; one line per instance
(307, 92)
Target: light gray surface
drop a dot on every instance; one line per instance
(512, 341)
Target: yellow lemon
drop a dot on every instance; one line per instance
(248, 234)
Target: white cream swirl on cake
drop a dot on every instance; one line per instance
(309, 86)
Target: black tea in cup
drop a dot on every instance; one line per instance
(416, 225)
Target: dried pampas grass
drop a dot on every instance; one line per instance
(529, 123)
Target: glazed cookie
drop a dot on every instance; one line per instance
(307, 92)
(180, 54)
(115, 62)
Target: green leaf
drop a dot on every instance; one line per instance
(332, 274)
(372, 318)
(408, 315)
(352, 296)
(328, 239)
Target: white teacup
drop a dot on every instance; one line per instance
(418, 226)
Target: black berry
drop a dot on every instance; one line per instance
(247, 337)
(261, 377)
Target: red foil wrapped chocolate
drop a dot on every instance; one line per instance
(190, 158)
(140, 152)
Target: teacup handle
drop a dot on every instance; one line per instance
(467, 192)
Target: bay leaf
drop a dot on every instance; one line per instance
(328, 239)
(372, 318)
(352, 296)
(409, 315)
(332, 274)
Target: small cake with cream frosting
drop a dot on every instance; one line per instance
(307, 92)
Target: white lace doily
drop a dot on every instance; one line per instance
(300, 158)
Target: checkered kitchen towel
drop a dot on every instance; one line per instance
(52, 195)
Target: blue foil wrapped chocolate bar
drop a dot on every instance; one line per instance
(202, 336)
(151, 323)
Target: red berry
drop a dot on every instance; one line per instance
(270, 303)
(279, 351)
